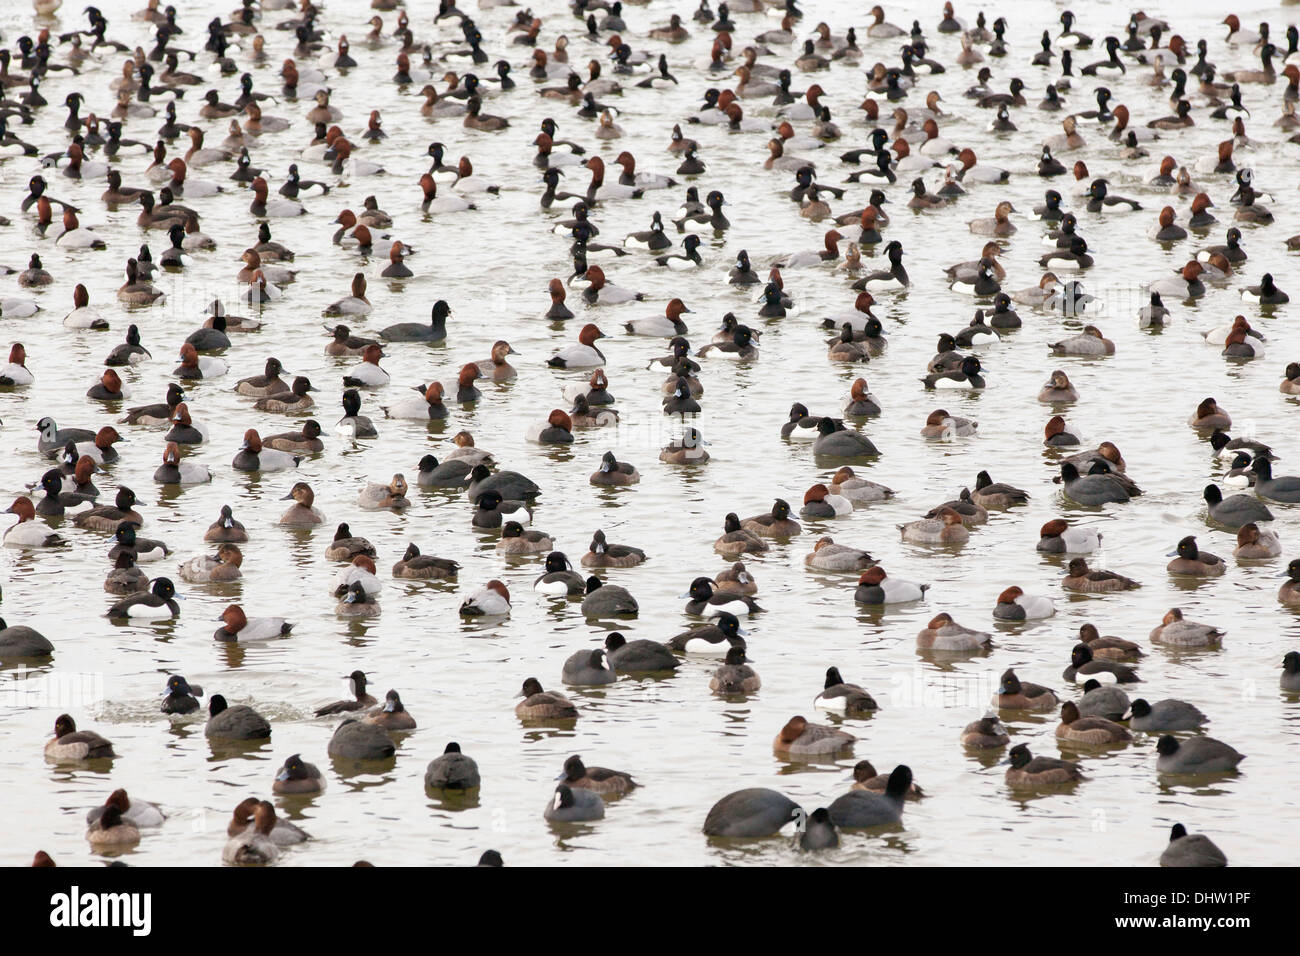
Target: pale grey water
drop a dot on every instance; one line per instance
(685, 745)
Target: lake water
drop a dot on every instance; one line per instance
(686, 746)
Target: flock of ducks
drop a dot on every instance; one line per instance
(920, 157)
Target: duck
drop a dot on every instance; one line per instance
(301, 514)
(1014, 604)
(666, 326)
(252, 835)
(239, 627)
(707, 602)
(686, 450)
(1079, 577)
(585, 354)
(941, 426)
(359, 700)
(875, 587)
(539, 704)
(389, 496)
(515, 539)
(297, 777)
(835, 441)
(1059, 537)
(71, 744)
(16, 373)
(157, 603)
(268, 383)
(392, 715)
(345, 546)
(219, 568)
(435, 330)
(613, 472)
(1285, 489)
(945, 527)
(1085, 666)
(252, 456)
(1027, 771)
(195, 366)
(987, 733)
(144, 549)
(845, 483)
(737, 540)
(28, 532)
(990, 494)
(354, 304)
(942, 633)
(82, 316)
(596, 779)
(819, 502)
(776, 523)
(800, 738)
(453, 473)
(1192, 562)
(734, 676)
(492, 600)
(1175, 631)
(306, 439)
(1256, 544)
(175, 472)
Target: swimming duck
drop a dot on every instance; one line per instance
(734, 675)
(1177, 632)
(155, 604)
(1079, 577)
(392, 715)
(945, 634)
(380, 496)
(1188, 560)
(945, 527)
(175, 472)
(301, 514)
(1015, 605)
(239, 627)
(826, 555)
(297, 777)
(799, 737)
(492, 600)
(221, 567)
(1027, 771)
(775, 524)
(875, 587)
(736, 540)
(1084, 666)
(252, 456)
(1058, 537)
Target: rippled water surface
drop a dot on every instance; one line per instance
(685, 745)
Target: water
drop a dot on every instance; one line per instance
(685, 745)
